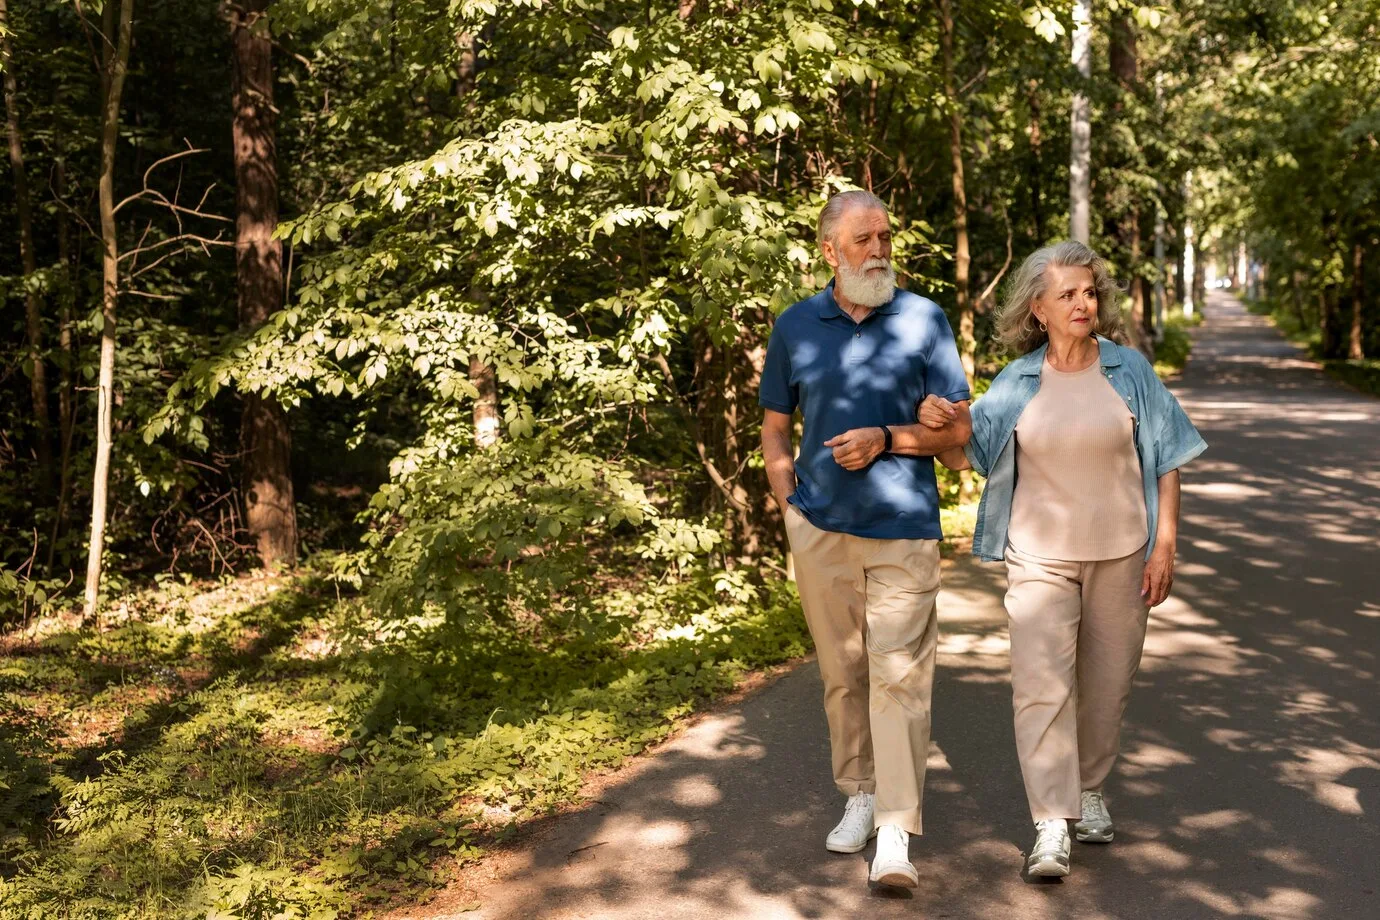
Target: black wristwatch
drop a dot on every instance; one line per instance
(886, 432)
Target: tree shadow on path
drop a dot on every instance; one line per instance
(1250, 775)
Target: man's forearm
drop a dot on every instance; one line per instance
(920, 441)
(776, 451)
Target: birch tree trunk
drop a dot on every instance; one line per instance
(113, 81)
(1080, 161)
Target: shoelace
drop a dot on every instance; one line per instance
(854, 813)
(1048, 837)
(1093, 806)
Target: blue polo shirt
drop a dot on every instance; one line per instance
(844, 375)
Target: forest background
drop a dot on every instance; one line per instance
(378, 450)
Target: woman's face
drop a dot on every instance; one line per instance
(1069, 304)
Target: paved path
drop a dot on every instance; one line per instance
(1250, 782)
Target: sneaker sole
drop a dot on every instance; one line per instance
(1047, 868)
(898, 879)
(1094, 836)
(839, 848)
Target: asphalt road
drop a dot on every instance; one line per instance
(1250, 779)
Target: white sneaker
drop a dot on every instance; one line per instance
(852, 833)
(1096, 824)
(1049, 857)
(892, 865)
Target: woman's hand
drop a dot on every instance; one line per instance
(936, 412)
(1159, 574)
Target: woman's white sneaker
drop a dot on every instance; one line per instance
(892, 865)
(1096, 824)
(1049, 857)
(852, 833)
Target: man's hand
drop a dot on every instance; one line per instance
(858, 447)
(936, 412)
(1159, 575)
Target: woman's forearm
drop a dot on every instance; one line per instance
(1167, 527)
(954, 458)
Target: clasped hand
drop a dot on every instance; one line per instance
(936, 412)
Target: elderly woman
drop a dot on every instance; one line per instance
(1081, 446)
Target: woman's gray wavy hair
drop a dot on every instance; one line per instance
(1017, 328)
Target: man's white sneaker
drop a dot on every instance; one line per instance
(892, 865)
(1096, 824)
(852, 833)
(1049, 857)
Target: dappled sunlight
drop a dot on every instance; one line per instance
(1145, 758)
(1249, 778)
(1317, 771)
(1152, 856)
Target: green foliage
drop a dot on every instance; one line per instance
(288, 762)
(1172, 350)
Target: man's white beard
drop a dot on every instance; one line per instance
(863, 287)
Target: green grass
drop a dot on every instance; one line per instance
(1363, 374)
(266, 749)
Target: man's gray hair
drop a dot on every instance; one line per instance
(834, 208)
(1018, 329)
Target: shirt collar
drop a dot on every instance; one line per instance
(829, 307)
(1108, 355)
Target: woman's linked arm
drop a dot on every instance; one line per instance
(937, 413)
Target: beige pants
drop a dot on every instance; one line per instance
(1077, 631)
(870, 608)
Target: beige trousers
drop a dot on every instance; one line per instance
(1077, 632)
(870, 608)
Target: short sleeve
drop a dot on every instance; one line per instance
(1176, 440)
(944, 374)
(777, 392)
(979, 446)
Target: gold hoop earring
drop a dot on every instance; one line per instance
(1044, 328)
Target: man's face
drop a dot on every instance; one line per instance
(860, 254)
(861, 235)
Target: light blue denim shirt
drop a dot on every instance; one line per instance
(1165, 438)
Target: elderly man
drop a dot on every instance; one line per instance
(862, 514)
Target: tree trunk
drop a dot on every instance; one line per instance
(1139, 331)
(1327, 321)
(1189, 287)
(113, 81)
(487, 427)
(1080, 161)
(1125, 65)
(1355, 346)
(266, 440)
(1161, 270)
(725, 379)
(967, 343)
(1296, 295)
(33, 307)
(66, 374)
(1036, 163)
(486, 417)
(1124, 56)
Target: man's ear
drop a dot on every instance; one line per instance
(830, 253)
